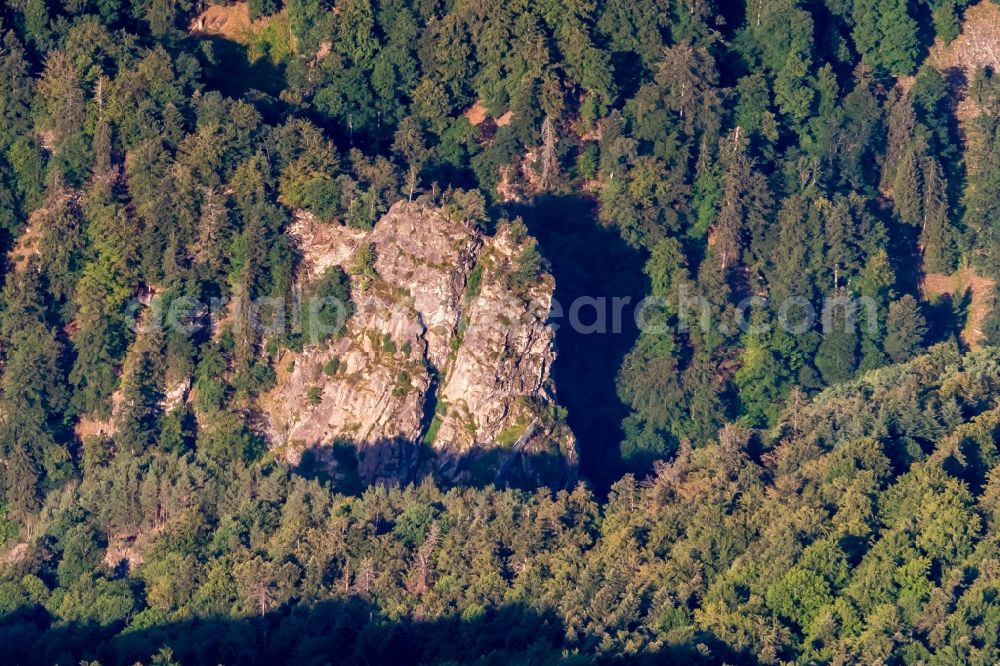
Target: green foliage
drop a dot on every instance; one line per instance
(991, 325)
(906, 329)
(588, 161)
(328, 305)
(751, 152)
(318, 193)
(946, 19)
(886, 34)
(760, 378)
(260, 8)
(827, 542)
(837, 356)
(363, 265)
(527, 266)
(309, 179)
(388, 346)
(28, 166)
(474, 283)
(9, 531)
(331, 367)
(432, 430)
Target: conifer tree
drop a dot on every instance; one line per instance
(732, 209)
(905, 329)
(63, 102)
(760, 378)
(840, 230)
(791, 274)
(37, 24)
(688, 76)
(900, 129)
(410, 144)
(837, 356)
(886, 35)
(908, 189)
(937, 242)
(142, 374)
(875, 287)
(101, 298)
(34, 396)
(16, 91)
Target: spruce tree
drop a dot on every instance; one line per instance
(937, 242)
(141, 393)
(875, 287)
(729, 226)
(843, 245)
(16, 91)
(837, 356)
(760, 379)
(34, 396)
(886, 35)
(908, 189)
(37, 24)
(905, 329)
(899, 45)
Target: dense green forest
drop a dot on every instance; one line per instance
(862, 530)
(821, 493)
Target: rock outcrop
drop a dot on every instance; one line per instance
(442, 368)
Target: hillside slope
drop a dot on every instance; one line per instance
(862, 530)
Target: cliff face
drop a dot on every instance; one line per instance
(441, 368)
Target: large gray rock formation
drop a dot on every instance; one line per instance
(442, 367)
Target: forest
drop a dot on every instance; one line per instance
(749, 492)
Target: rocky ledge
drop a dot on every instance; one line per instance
(444, 366)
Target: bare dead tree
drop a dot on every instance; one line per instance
(366, 576)
(419, 581)
(262, 593)
(550, 162)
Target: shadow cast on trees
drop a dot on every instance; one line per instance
(230, 70)
(947, 315)
(349, 630)
(351, 468)
(589, 260)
